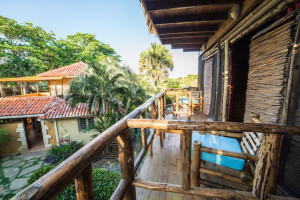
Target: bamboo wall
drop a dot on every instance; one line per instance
(207, 90)
(266, 77)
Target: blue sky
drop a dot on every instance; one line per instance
(119, 23)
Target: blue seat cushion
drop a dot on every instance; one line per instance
(222, 143)
(186, 100)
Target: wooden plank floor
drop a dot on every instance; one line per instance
(165, 166)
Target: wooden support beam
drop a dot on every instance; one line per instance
(197, 191)
(191, 40)
(171, 4)
(126, 161)
(187, 35)
(186, 46)
(84, 184)
(159, 106)
(223, 176)
(55, 88)
(225, 86)
(214, 126)
(192, 18)
(37, 87)
(218, 89)
(244, 156)
(119, 192)
(191, 50)
(191, 29)
(186, 168)
(143, 133)
(1, 90)
(196, 164)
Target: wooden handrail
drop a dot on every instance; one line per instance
(214, 126)
(244, 156)
(52, 183)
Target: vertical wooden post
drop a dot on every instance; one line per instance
(196, 163)
(126, 161)
(55, 88)
(84, 184)
(143, 133)
(199, 72)
(190, 106)
(159, 107)
(225, 88)
(21, 88)
(217, 111)
(1, 90)
(186, 174)
(153, 108)
(49, 88)
(165, 104)
(62, 88)
(37, 87)
(177, 105)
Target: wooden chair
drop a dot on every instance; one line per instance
(196, 101)
(249, 144)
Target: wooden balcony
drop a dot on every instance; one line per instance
(168, 171)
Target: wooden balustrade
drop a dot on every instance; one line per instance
(78, 166)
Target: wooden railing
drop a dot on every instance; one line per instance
(78, 167)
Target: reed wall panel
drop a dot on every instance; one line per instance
(207, 90)
(268, 65)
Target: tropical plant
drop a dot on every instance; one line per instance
(4, 137)
(104, 183)
(101, 88)
(59, 153)
(156, 63)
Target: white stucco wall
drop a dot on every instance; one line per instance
(69, 127)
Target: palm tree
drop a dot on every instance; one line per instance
(101, 88)
(156, 62)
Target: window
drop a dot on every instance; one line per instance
(84, 123)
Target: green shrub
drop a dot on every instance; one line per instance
(39, 173)
(104, 182)
(4, 137)
(59, 153)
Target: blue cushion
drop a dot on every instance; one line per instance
(223, 143)
(186, 100)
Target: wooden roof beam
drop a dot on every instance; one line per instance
(171, 4)
(181, 35)
(191, 50)
(187, 46)
(195, 40)
(189, 29)
(192, 18)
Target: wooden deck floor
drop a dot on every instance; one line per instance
(165, 166)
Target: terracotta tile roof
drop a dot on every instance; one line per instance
(76, 69)
(15, 106)
(81, 110)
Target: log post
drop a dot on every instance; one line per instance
(186, 174)
(143, 133)
(190, 106)
(177, 105)
(1, 90)
(159, 106)
(225, 87)
(37, 87)
(126, 161)
(196, 163)
(55, 88)
(84, 184)
(153, 108)
(165, 104)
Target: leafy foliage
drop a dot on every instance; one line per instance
(39, 173)
(4, 137)
(104, 183)
(59, 153)
(27, 50)
(156, 63)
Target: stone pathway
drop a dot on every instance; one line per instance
(16, 169)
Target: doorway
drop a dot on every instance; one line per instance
(34, 134)
(239, 74)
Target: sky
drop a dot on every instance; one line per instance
(119, 23)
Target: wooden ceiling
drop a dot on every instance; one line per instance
(186, 24)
